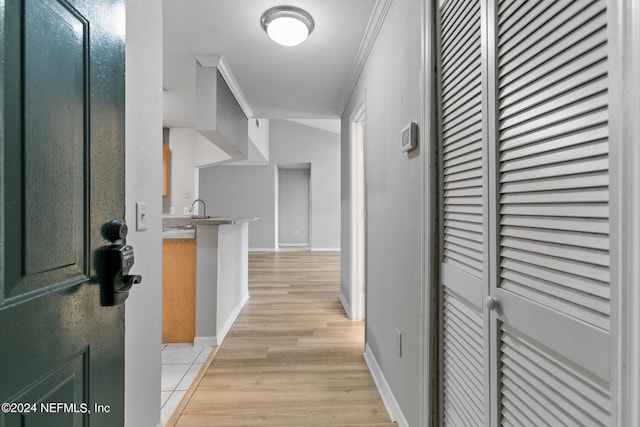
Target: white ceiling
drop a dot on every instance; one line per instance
(300, 82)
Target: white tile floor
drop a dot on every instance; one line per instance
(180, 365)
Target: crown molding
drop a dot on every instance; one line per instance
(378, 15)
(218, 61)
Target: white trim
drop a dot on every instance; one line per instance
(262, 249)
(325, 249)
(389, 400)
(624, 127)
(429, 215)
(232, 318)
(218, 61)
(358, 185)
(205, 341)
(345, 305)
(376, 20)
(293, 245)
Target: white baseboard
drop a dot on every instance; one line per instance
(325, 249)
(345, 305)
(232, 318)
(262, 249)
(389, 400)
(293, 245)
(205, 341)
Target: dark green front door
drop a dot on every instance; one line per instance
(62, 169)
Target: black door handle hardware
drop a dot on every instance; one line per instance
(117, 260)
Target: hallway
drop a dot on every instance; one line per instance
(292, 358)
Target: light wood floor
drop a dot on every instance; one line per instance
(292, 358)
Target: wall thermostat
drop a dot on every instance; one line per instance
(409, 139)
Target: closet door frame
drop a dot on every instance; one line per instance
(429, 360)
(624, 37)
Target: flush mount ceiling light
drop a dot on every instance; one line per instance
(287, 25)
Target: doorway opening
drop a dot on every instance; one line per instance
(294, 205)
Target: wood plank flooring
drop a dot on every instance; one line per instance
(292, 358)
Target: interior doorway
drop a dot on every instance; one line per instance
(294, 205)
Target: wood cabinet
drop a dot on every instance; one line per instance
(178, 290)
(166, 153)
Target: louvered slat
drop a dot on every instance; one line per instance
(462, 134)
(463, 384)
(551, 38)
(554, 150)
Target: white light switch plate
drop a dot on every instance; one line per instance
(141, 216)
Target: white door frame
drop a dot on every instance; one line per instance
(358, 213)
(624, 92)
(429, 330)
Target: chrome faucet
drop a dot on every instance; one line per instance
(204, 205)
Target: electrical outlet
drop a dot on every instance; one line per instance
(186, 193)
(172, 210)
(185, 211)
(399, 343)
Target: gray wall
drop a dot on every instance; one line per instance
(242, 190)
(391, 82)
(293, 209)
(143, 184)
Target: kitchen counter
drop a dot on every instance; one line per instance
(221, 260)
(179, 234)
(180, 221)
(184, 227)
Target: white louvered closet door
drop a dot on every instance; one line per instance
(525, 213)
(463, 261)
(553, 214)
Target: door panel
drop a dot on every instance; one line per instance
(462, 144)
(539, 388)
(63, 384)
(62, 163)
(463, 364)
(49, 234)
(463, 212)
(553, 178)
(558, 260)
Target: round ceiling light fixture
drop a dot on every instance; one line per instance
(287, 25)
